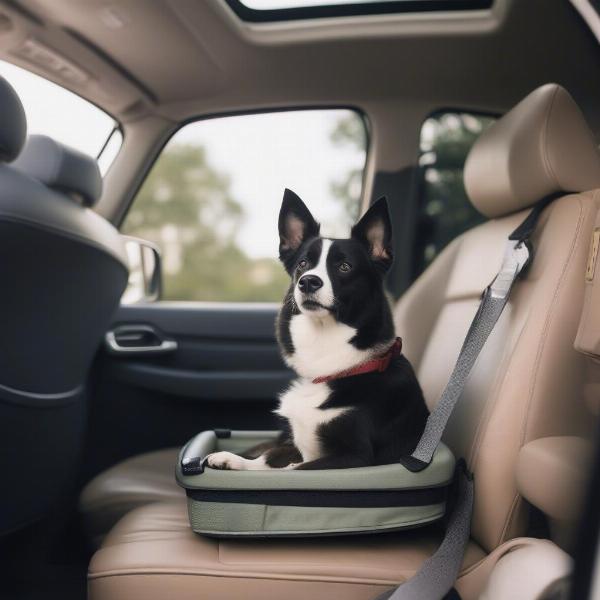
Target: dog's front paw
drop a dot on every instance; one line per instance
(292, 466)
(225, 460)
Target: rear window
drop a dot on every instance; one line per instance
(444, 207)
(64, 116)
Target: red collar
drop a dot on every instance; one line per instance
(377, 364)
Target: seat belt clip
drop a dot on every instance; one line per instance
(516, 258)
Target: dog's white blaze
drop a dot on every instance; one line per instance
(323, 295)
(322, 346)
(300, 406)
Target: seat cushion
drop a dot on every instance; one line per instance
(153, 553)
(139, 480)
(526, 571)
(518, 569)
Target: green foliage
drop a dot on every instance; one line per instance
(446, 210)
(349, 130)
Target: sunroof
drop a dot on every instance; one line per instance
(284, 10)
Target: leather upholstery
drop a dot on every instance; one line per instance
(13, 125)
(522, 157)
(140, 480)
(152, 553)
(552, 474)
(528, 383)
(521, 569)
(588, 334)
(61, 168)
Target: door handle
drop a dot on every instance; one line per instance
(137, 339)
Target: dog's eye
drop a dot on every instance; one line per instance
(345, 267)
(302, 264)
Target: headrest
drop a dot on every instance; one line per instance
(61, 168)
(13, 125)
(542, 146)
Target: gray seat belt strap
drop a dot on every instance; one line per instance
(492, 304)
(439, 572)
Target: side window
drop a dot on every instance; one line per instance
(211, 200)
(445, 210)
(56, 112)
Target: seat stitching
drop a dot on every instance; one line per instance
(545, 158)
(251, 575)
(540, 350)
(549, 319)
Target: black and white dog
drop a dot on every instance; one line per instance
(356, 401)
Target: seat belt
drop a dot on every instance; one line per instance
(439, 572)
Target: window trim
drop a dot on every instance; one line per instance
(158, 149)
(255, 15)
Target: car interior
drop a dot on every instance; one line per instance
(144, 150)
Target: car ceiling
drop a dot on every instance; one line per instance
(181, 58)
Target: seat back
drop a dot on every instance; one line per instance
(528, 381)
(63, 270)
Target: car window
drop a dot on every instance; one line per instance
(445, 210)
(56, 112)
(211, 201)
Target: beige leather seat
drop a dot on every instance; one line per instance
(526, 385)
(139, 480)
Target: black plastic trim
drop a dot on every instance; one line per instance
(353, 10)
(325, 498)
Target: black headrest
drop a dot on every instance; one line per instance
(61, 168)
(13, 125)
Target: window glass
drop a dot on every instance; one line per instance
(211, 201)
(62, 115)
(445, 210)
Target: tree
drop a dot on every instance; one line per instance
(446, 140)
(186, 208)
(349, 131)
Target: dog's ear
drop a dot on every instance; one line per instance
(296, 225)
(374, 231)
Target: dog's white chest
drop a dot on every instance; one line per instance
(322, 346)
(300, 406)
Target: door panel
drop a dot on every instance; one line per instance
(226, 371)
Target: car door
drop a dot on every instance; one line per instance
(204, 355)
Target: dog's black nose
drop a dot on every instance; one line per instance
(310, 283)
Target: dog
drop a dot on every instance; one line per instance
(356, 401)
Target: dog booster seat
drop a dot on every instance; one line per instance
(288, 503)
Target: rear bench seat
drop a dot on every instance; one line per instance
(527, 384)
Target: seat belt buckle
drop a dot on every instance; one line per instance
(516, 257)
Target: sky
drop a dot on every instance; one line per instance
(265, 153)
(262, 154)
